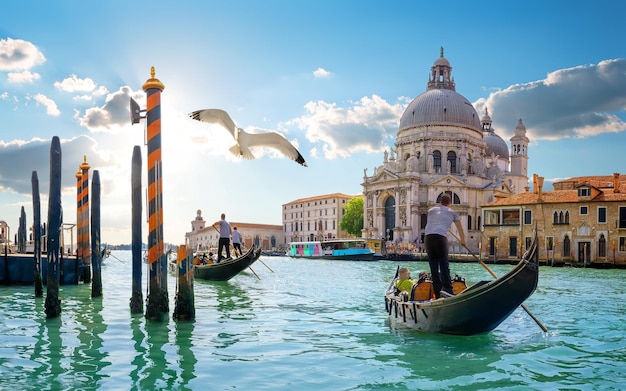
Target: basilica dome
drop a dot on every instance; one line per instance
(440, 104)
(440, 107)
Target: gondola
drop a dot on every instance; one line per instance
(226, 269)
(475, 310)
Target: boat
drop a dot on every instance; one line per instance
(478, 309)
(227, 268)
(339, 249)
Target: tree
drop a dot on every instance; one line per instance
(352, 221)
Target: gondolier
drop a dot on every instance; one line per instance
(440, 218)
(224, 242)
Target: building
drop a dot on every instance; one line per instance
(442, 146)
(582, 221)
(315, 218)
(205, 237)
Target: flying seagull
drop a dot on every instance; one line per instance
(246, 140)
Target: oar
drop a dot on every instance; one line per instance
(394, 279)
(483, 264)
(266, 265)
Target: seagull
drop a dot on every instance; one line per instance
(246, 140)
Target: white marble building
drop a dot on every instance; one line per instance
(442, 146)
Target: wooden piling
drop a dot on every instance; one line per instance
(21, 233)
(96, 255)
(184, 308)
(38, 279)
(157, 296)
(136, 300)
(55, 220)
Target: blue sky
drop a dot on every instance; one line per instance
(332, 76)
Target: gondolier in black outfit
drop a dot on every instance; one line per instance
(225, 231)
(440, 218)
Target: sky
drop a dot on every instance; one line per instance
(333, 77)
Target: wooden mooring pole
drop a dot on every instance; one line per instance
(96, 255)
(55, 220)
(136, 300)
(34, 180)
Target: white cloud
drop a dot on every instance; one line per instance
(112, 116)
(582, 101)
(23, 77)
(74, 83)
(367, 125)
(321, 73)
(4, 95)
(51, 107)
(16, 55)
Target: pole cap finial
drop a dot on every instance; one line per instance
(153, 82)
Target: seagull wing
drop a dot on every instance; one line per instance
(215, 116)
(270, 140)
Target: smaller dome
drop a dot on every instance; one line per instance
(441, 61)
(496, 146)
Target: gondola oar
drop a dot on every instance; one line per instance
(394, 278)
(266, 265)
(483, 264)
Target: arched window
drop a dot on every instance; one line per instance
(452, 161)
(469, 222)
(602, 247)
(478, 226)
(561, 219)
(390, 217)
(437, 161)
(423, 220)
(566, 246)
(453, 196)
(555, 219)
(566, 217)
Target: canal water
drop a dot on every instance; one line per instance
(311, 325)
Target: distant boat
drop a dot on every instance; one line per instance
(228, 268)
(477, 309)
(337, 249)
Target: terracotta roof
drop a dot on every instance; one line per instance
(557, 196)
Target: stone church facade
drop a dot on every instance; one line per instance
(442, 146)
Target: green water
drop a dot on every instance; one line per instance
(311, 325)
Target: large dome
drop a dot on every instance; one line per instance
(440, 107)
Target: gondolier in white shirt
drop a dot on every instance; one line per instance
(236, 242)
(223, 227)
(440, 218)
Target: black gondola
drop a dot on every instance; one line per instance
(478, 309)
(227, 269)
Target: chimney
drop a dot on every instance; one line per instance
(535, 183)
(539, 186)
(616, 182)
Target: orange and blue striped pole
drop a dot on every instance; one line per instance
(84, 212)
(79, 218)
(157, 302)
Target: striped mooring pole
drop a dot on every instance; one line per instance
(157, 302)
(82, 211)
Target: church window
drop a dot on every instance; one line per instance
(469, 222)
(452, 161)
(437, 161)
(453, 197)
